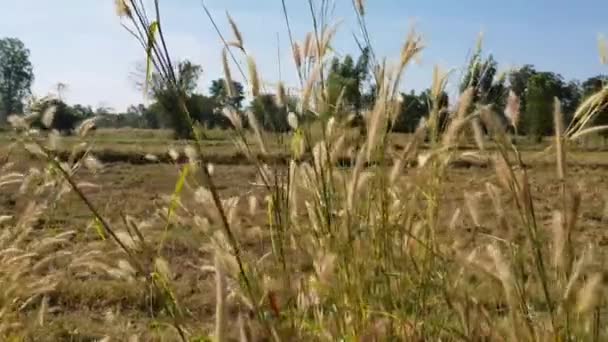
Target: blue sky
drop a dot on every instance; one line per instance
(81, 42)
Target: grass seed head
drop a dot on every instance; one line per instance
(589, 297)
(48, 116)
(281, 98)
(92, 163)
(254, 78)
(122, 9)
(233, 117)
(235, 30)
(513, 109)
(297, 55)
(292, 120)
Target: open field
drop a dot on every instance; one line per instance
(92, 305)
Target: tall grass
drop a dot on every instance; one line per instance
(365, 253)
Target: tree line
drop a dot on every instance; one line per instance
(349, 83)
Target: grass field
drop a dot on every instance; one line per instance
(102, 301)
(460, 231)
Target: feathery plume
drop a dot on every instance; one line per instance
(254, 78)
(297, 55)
(161, 266)
(292, 120)
(173, 154)
(235, 30)
(86, 126)
(577, 270)
(307, 47)
(203, 195)
(227, 74)
(48, 116)
(92, 163)
(233, 117)
(513, 109)
(281, 98)
(122, 8)
(589, 296)
(478, 134)
(411, 48)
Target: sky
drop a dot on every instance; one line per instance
(82, 44)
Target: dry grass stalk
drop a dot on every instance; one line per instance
(559, 240)
(472, 201)
(579, 266)
(227, 74)
(409, 151)
(313, 77)
(478, 134)
(352, 187)
(558, 118)
(221, 319)
(456, 123)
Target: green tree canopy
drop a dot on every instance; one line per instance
(168, 97)
(481, 75)
(16, 76)
(347, 77)
(219, 93)
(270, 116)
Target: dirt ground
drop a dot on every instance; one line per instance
(88, 310)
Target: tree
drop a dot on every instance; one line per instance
(481, 75)
(65, 118)
(153, 116)
(84, 111)
(204, 110)
(16, 76)
(415, 107)
(348, 78)
(518, 81)
(536, 91)
(168, 97)
(219, 93)
(270, 116)
(541, 89)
